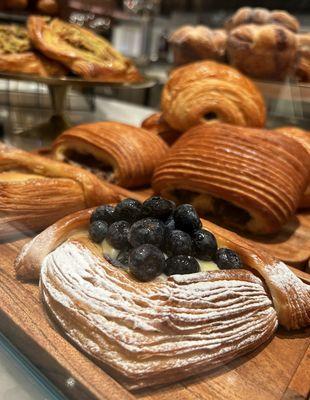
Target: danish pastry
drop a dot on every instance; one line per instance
(155, 123)
(120, 153)
(262, 16)
(246, 178)
(35, 191)
(266, 52)
(205, 92)
(149, 333)
(192, 43)
(83, 52)
(302, 71)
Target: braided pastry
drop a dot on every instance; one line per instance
(205, 92)
(266, 52)
(247, 178)
(155, 123)
(303, 57)
(119, 153)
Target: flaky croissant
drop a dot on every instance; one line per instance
(247, 178)
(205, 92)
(165, 330)
(155, 123)
(120, 153)
(83, 52)
(36, 192)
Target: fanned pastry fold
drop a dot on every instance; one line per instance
(120, 153)
(248, 178)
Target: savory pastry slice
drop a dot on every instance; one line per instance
(156, 123)
(119, 153)
(152, 320)
(36, 192)
(83, 52)
(245, 178)
(16, 55)
(205, 91)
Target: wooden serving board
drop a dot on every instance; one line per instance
(278, 370)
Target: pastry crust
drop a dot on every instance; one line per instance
(155, 123)
(124, 154)
(247, 178)
(205, 91)
(83, 52)
(261, 16)
(265, 52)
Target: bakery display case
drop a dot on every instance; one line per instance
(155, 194)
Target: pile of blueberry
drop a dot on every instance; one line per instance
(156, 236)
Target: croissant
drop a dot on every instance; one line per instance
(36, 192)
(246, 178)
(261, 16)
(120, 153)
(165, 330)
(205, 92)
(192, 43)
(303, 57)
(83, 52)
(266, 52)
(155, 123)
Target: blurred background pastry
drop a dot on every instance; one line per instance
(303, 57)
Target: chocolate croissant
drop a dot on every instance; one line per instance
(36, 192)
(205, 92)
(119, 153)
(246, 178)
(83, 52)
(265, 52)
(192, 43)
(155, 123)
(261, 16)
(165, 330)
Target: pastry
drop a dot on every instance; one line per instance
(155, 123)
(154, 331)
(192, 43)
(302, 71)
(16, 55)
(36, 192)
(265, 52)
(14, 4)
(303, 137)
(205, 92)
(82, 51)
(49, 7)
(261, 16)
(120, 153)
(246, 178)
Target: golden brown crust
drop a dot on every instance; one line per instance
(49, 7)
(155, 123)
(261, 172)
(130, 153)
(262, 16)
(302, 71)
(205, 91)
(192, 43)
(265, 52)
(85, 53)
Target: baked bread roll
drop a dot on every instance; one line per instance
(265, 52)
(155, 123)
(262, 16)
(205, 92)
(83, 52)
(36, 192)
(192, 43)
(149, 333)
(246, 178)
(119, 153)
(302, 71)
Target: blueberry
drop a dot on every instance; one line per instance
(148, 230)
(181, 265)
(103, 213)
(186, 218)
(169, 224)
(128, 210)
(117, 234)
(204, 244)
(98, 231)
(178, 242)
(157, 207)
(227, 259)
(146, 262)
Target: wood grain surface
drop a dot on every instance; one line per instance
(279, 369)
